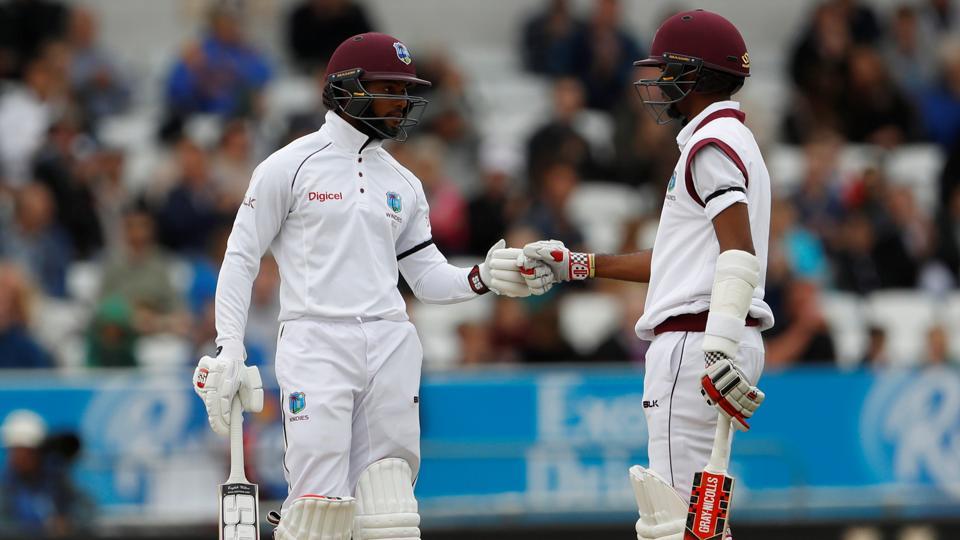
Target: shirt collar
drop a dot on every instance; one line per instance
(693, 125)
(346, 136)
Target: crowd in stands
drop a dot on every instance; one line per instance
(857, 75)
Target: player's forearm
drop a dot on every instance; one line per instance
(627, 267)
(434, 280)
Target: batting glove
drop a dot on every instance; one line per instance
(217, 380)
(540, 278)
(565, 264)
(500, 273)
(725, 387)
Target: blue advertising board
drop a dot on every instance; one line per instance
(537, 445)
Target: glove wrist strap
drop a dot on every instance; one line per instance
(476, 283)
(581, 265)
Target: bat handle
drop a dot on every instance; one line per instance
(236, 442)
(720, 456)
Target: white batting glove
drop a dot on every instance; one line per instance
(725, 387)
(566, 265)
(217, 380)
(539, 277)
(500, 273)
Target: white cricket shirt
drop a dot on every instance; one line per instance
(341, 217)
(720, 165)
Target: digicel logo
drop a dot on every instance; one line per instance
(321, 196)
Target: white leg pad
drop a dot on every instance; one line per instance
(315, 517)
(663, 513)
(386, 507)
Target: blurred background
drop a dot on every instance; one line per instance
(128, 132)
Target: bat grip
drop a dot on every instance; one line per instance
(236, 441)
(720, 456)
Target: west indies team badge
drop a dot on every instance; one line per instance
(394, 202)
(298, 402)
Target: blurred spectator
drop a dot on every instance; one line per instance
(495, 206)
(316, 27)
(868, 259)
(476, 343)
(18, 349)
(450, 118)
(876, 355)
(818, 68)
(233, 161)
(906, 221)
(803, 251)
(36, 241)
(194, 207)
(801, 333)
(548, 215)
(544, 343)
(37, 495)
(818, 199)
(939, 17)
(112, 337)
(97, 83)
(908, 51)
(549, 40)
(509, 327)
(645, 153)
(861, 20)
(222, 73)
(622, 345)
(68, 164)
(448, 208)
(873, 110)
(111, 196)
(948, 233)
(565, 135)
(940, 104)
(604, 55)
(938, 347)
(25, 27)
(140, 276)
(26, 113)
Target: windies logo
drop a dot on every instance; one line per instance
(298, 402)
(402, 53)
(394, 202)
(673, 182)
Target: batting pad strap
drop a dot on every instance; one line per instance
(386, 507)
(736, 277)
(315, 517)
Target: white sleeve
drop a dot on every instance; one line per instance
(719, 181)
(434, 280)
(258, 221)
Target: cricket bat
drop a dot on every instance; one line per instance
(239, 499)
(712, 490)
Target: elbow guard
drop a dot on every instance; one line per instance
(737, 275)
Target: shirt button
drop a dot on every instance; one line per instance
(360, 173)
(359, 160)
(361, 190)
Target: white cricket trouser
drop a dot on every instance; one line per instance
(681, 425)
(360, 384)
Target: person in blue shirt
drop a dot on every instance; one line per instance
(221, 74)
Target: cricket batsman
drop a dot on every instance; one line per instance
(704, 309)
(343, 218)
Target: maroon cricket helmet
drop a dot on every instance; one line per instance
(703, 35)
(697, 51)
(380, 56)
(373, 57)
